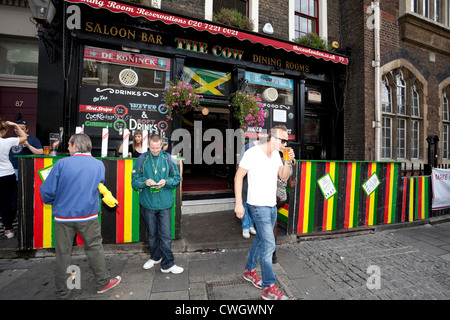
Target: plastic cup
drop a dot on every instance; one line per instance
(286, 151)
(46, 150)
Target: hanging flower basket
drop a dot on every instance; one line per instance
(180, 97)
(247, 109)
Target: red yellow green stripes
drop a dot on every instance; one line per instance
(352, 195)
(127, 213)
(371, 201)
(307, 197)
(43, 225)
(330, 205)
(390, 193)
(283, 213)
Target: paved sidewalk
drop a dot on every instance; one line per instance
(412, 263)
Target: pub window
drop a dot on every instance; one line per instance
(445, 126)
(402, 116)
(306, 17)
(123, 69)
(271, 89)
(239, 5)
(386, 137)
(19, 58)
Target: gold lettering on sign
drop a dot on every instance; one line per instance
(110, 30)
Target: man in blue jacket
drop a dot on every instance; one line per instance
(72, 189)
(155, 176)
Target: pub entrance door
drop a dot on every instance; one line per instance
(203, 180)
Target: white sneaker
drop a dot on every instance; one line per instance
(245, 233)
(252, 230)
(174, 269)
(9, 235)
(150, 263)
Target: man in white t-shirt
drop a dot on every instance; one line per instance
(263, 165)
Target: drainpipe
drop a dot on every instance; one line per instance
(376, 65)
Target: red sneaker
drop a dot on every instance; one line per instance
(112, 283)
(252, 277)
(272, 293)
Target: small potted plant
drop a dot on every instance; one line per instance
(247, 109)
(180, 97)
(233, 18)
(313, 40)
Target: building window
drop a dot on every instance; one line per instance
(19, 58)
(239, 5)
(386, 99)
(306, 17)
(402, 116)
(415, 109)
(386, 138)
(401, 94)
(401, 138)
(431, 9)
(415, 133)
(445, 127)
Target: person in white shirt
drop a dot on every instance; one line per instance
(7, 174)
(263, 166)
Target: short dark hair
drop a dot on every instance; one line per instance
(82, 142)
(275, 129)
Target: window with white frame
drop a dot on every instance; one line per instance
(415, 133)
(386, 98)
(402, 119)
(436, 10)
(386, 137)
(401, 138)
(306, 17)
(415, 109)
(401, 94)
(239, 5)
(445, 126)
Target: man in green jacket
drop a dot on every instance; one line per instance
(155, 176)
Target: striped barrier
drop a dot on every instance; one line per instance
(122, 224)
(393, 200)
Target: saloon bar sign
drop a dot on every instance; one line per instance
(151, 15)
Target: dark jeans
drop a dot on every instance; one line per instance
(159, 235)
(8, 185)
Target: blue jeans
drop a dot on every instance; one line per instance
(159, 235)
(247, 221)
(264, 244)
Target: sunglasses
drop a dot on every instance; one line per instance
(21, 122)
(284, 141)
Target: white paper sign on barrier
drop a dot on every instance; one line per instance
(440, 179)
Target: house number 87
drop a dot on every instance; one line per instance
(19, 103)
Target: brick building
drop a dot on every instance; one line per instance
(373, 108)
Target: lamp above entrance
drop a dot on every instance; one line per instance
(42, 11)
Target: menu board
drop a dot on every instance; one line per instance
(118, 108)
(122, 90)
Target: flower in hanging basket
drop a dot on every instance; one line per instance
(247, 109)
(180, 97)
